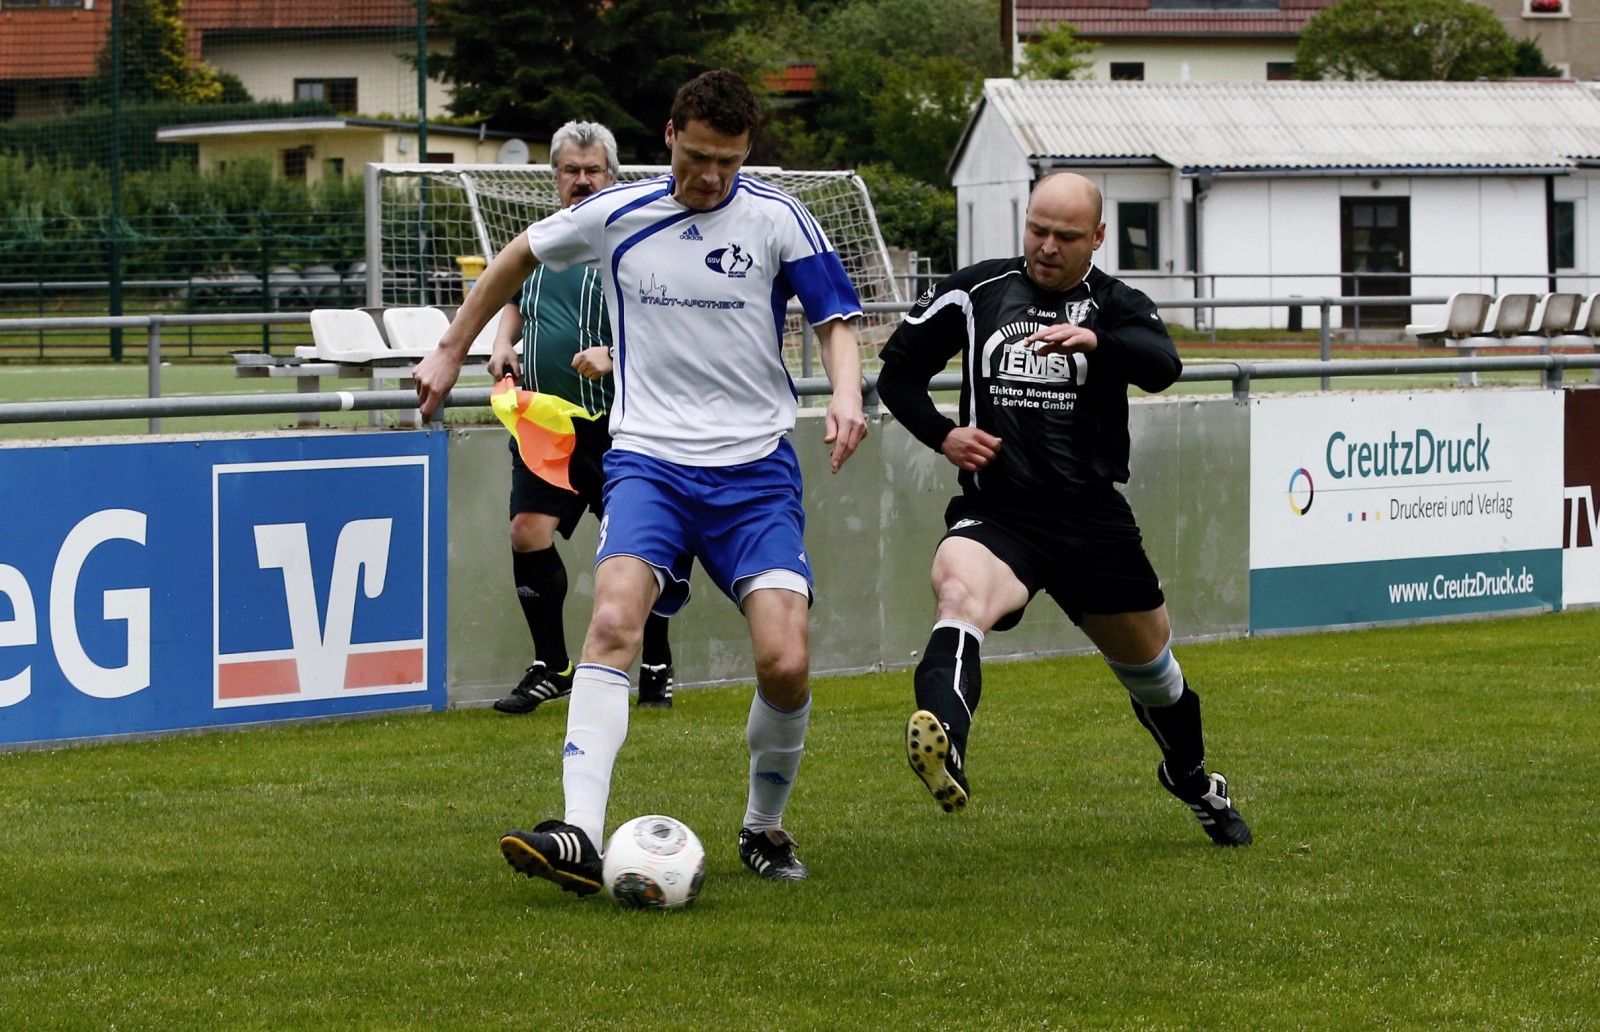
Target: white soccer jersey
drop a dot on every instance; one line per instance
(697, 303)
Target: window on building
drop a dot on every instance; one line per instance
(1278, 71)
(8, 4)
(440, 158)
(1127, 71)
(1564, 233)
(339, 94)
(295, 160)
(1546, 8)
(1138, 236)
(333, 167)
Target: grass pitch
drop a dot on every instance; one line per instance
(1423, 801)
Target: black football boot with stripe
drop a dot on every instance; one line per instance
(557, 852)
(1207, 795)
(935, 759)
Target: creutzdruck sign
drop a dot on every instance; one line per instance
(148, 587)
(1386, 507)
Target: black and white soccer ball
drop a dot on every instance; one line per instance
(653, 862)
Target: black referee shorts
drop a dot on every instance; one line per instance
(586, 472)
(1085, 552)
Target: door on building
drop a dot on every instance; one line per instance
(1375, 253)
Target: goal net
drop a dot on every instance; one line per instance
(423, 219)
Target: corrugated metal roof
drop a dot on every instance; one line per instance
(1303, 125)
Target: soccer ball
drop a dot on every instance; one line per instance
(653, 862)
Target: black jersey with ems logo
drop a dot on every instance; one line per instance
(1062, 419)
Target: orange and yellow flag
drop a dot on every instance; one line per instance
(543, 427)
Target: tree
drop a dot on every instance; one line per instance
(1411, 40)
(1531, 63)
(913, 215)
(651, 47)
(527, 66)
(1057, 54)
(156, 65)
(902, 96)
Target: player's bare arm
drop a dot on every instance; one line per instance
(503, 356)
(438, 371)
(845, 419)
(592, 363)
(1063, 339)
(969, 448)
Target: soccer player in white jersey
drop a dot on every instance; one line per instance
(698, 268)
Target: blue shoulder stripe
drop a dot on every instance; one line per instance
(649, 190)
(808, 223)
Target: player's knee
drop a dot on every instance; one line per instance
(784, 676)
(957, 600)
(612, 628)
(1157, 683)
(529, 534)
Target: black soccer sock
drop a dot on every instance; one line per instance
(1176, 729)
(657, 649)
(542, 589)
(949, 681)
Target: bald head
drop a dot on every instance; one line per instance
(1067, 188)
(1062, 230)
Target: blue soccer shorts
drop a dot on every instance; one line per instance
(745, 523)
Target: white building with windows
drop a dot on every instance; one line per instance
(1278, 189)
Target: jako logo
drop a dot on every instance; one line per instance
(1301, 491)
(320, 579)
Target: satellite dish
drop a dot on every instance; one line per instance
(512, 152)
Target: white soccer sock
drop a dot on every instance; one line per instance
(1157, 683)
(776, 738)
(597, 725)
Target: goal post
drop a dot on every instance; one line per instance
(422, 218)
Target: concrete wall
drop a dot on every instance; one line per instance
(385, 84)
(1209, 59)
(871, 532)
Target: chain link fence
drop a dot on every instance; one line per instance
(176, 264)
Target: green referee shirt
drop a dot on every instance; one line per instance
(562, 314)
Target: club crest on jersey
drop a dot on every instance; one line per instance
(731, 261)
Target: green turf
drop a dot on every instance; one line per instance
(1423, 802)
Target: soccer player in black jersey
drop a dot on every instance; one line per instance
(1049, 345)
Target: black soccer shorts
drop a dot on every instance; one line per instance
(530, 493)
(1085, 551)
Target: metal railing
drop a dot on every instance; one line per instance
(154, 407)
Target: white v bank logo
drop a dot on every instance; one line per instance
(319, 604)
(321, 651)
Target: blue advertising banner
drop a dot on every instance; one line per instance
(148, 587)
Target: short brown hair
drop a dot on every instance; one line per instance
(720, 98)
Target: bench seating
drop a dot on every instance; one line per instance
(379, 345)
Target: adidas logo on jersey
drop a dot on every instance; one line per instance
(692, 233)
